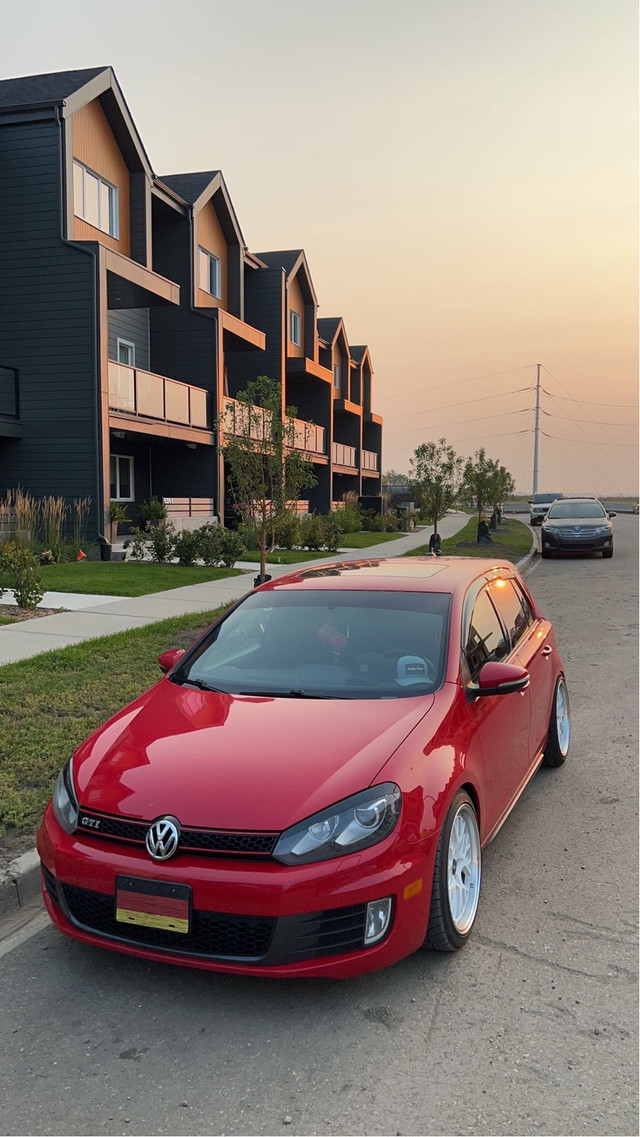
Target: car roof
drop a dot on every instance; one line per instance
(576, 500)
(396, 574)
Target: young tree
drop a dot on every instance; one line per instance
(266, 473)
(501, 485)
(486, 482)
(435, 477)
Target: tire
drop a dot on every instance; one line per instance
(559, 737)
(546, 554)
(606, 553)
(456, 878)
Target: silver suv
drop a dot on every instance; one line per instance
(539, 505)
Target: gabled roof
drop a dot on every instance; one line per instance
(358, 353)
(197, 189)
(72, 90)
(328, 328)
(294, 263)
(282, 258)
(189, 186)
(52, 88)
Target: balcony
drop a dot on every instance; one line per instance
(239, 421)
(344, 455)
(142, 394)
(369, 460)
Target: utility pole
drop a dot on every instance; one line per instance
(536, 432)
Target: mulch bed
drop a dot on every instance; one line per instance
(16, 614)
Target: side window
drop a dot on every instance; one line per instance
(510, 606)
(486, 640)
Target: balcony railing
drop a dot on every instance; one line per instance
(238, 419)
(344, 455)
(136, 392)
(369, 460)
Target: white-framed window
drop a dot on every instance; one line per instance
(336, 376)
(126, 352)
(95, 200)
(121, 477)
(210, 273)
(294, 328)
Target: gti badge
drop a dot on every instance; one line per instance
(162, 838)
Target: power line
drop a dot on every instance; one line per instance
(565, 418)
(482, 418)
(588, 402)
(602, 379)
(586, 441)
(464, 403)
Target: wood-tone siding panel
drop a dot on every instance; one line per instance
(131, 324)
(95, 146)
(209, 236)
(47, 329)
(295, 304)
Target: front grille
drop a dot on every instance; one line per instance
(217, 841)
(215, 935)
(211, 934)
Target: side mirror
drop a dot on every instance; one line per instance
(168, 659)
(499, 679)
(612, 514)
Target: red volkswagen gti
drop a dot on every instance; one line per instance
(308, 789)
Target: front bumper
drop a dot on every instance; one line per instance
(261, 918)
(576, 543)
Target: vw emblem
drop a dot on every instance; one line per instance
(162, 838)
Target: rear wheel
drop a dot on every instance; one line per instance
(456, 878)
(557, 746)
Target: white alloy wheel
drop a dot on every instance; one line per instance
(463, 869)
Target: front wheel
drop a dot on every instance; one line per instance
(456, 878)
(559, 737)
(607, 552)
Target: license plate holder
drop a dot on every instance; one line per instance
(153, 904)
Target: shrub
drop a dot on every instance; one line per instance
(153, 511)
(161, 542)
(186, 547)
(136, 544)
(208, 540)
(313, 532)
(348, 519)
(20, 564)
(232, 548)
(247, 534)
(331, 534)
(287, 531)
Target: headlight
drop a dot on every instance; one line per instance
(601, 529)
(352, 824)
(551, 529)
(64, 800)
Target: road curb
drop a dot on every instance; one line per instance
(20, 883)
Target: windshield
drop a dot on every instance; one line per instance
(326, 644)
(542, 498)
(575, 509)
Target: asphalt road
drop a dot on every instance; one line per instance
(531, 1029)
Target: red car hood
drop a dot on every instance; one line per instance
(238, 762)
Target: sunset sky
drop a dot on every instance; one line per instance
(462, 175)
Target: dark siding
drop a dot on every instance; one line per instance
(140, 207)
(131, 324)
(183, 346)
(47, 327)
(264, 295)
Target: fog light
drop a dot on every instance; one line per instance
(378, 920)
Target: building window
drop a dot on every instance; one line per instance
(336, 376)
(294, 328)
(126, 352)
(121, 477)
(209, 273)
(95, 200)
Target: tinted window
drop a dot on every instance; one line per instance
(509, 605)
(338, 644)
(567, 509)
(486, 640)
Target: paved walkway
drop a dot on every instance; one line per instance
(88, 617)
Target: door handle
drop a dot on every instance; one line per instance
(547, 650)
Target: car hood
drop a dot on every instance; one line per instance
(215, 760)
(577, 523)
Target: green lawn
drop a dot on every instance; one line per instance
(57, 699)
(347, 541)
(511, 542)
(123, 578)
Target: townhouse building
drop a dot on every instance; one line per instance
(132, 313)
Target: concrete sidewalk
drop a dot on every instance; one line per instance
(88, 617)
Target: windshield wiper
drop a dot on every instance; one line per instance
(296, 693)
(201, 685)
